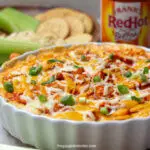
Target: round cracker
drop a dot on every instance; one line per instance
(54, 13)
(85, 19)
(75, 25)
(57, 26)
(80, 38)
(62, 12)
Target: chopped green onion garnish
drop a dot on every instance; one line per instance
(128, 74)
(42, 98)
(96, 79)
(55, 60)
(104, 110)
(148, 60)
(33, 82)
(75, 66)
(82, 99)
(143, 78)
(83, 58)
(8, 86)
(67, 100)
(52, 79)
(123, 89)
(136, 98)
(146, 70)
(34, 71)
(111, 56)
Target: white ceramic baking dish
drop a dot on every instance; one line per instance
(51, 134)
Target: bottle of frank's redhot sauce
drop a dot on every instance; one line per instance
(126, 21)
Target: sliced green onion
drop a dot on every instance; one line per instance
(54, 61)
(82, 99)
(96, 79)
(148, 60)
(136, 98)
(143, 78)
(128, 74)
(111, 56)
(42, 98)
(67, 100)
(8, 46)
(33, 82)
(104, 110)
(34, 71)
(75, 66)
(83, 58)
(8, 86)
(123, 89)
(52, 79)
(146, 70)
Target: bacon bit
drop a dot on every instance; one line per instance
(82, 76)
(110, 92)
(35, 89)
(22, 101)
(66, 109)
(102, 104)
(59, 64)
(101, 74)
(99, 92)
(57, 107)
(75, 92)
(89, 117)
(109, 109)
(56, 85)
(57, 97)
(79, 71)
(9, 95)
(142, 87)
(125, 60)
(16, 97)
(96, 115)
(147, 98)
(44, 110)
(13, 55)
(110, 79)
(90, 92)
(59, 76)
(88, 58)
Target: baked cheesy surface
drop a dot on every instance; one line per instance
(83, 83)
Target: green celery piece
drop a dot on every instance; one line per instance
(8, 46)
(23, 21)
(6, 24)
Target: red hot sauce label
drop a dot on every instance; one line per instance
(125, 22)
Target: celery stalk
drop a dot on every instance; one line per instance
(8, 46)
(22, 21)
(6, 24)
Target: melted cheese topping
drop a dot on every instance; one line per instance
(76, 76)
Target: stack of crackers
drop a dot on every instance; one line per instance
(69, 25)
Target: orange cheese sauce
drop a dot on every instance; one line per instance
(81, 83)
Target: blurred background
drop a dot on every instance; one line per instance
(90, 6)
